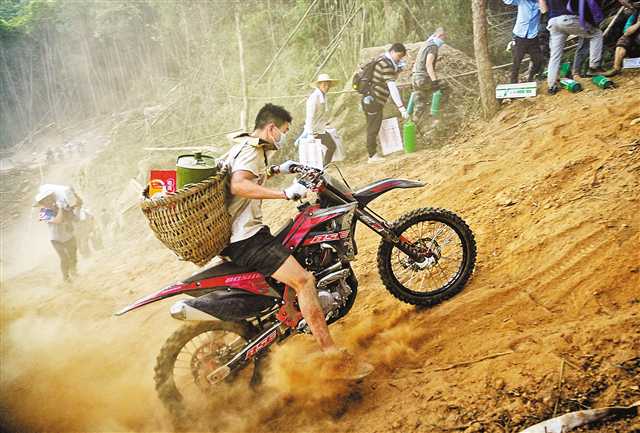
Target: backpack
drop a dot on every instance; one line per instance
(362, 81)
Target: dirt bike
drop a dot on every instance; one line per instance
(235, 314)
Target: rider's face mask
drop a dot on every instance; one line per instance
(281, 140)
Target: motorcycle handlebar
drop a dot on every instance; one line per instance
(295, 168)
(309, 177)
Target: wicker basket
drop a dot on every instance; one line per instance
(193, 222)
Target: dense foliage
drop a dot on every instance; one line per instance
(63, 61)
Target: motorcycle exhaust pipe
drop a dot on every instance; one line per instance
(332, 278)
(329, 270)
(182, 311)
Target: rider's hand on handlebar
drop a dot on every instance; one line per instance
(285, 167)
(295, 191)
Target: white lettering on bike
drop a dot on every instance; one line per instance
(243, 277)
(261, 345)
(328, 237)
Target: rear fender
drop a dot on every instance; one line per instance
(253, 282)
(374, 190)
(167, 292)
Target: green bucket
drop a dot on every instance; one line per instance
(194, 168)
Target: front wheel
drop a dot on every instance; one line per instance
(448, 252)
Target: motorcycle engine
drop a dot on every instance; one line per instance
(335, 296)
(318, 257)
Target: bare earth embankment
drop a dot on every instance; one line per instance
(551, 188)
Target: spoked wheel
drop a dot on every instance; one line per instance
(190, 370)
(448, 254)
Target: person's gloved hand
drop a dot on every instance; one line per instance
(295, 191)
(435, 85)
(404, 113)
(285, 167)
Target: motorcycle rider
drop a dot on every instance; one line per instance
(252, 245)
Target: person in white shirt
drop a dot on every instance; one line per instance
(317, 117)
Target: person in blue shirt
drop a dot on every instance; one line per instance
(525, 36)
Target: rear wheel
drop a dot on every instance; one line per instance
(189, 357)
(448, 251)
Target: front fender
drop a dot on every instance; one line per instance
(374, 190)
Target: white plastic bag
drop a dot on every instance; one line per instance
(64, 195)
(571, 420)
(311, 152)
(389, 136)
(339, 153)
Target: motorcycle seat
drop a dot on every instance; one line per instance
(219, 269)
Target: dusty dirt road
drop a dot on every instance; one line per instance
(550, 187)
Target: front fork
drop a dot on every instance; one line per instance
(277, 332)
(381, 227)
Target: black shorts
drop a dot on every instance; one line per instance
(261, 252)
(630, 43)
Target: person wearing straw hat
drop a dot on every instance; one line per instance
(316, 120)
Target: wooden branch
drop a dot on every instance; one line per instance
(197, 139)
(571, 364)
(612, 22)
(506, 65)
(486, 80)
(362, 29)
(156, 149)
(286, 42)
(243, 80)
(424, 31)
(337, 42)
(465, 363)
(560, 383)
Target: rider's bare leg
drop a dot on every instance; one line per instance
(304, 284)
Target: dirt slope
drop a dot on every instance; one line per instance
(551, 188)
